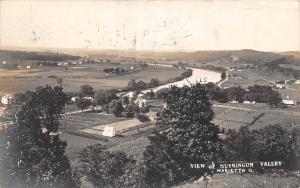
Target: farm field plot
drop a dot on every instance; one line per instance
(234, 118)
(284, 118)
(76, 122)
(244, 79)
(259, 116)
(21, 80)
(125, 124)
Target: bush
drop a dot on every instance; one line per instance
(272, 143)
(104, 168)
(142, 117)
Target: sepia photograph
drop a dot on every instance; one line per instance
(149, 94)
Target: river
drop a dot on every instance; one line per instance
(198, 75)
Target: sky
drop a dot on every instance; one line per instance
(267, 25)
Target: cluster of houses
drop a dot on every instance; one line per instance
(281, 84)
(59, 64)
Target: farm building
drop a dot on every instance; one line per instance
(7, 99)
(289, 102)
(152, 116)
(249, 102)
(113, 129)
(2, 109)
(141, 102)
(279, 86)
(73, 99)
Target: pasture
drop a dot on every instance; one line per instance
(21, 80)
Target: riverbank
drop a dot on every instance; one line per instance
(198, 75)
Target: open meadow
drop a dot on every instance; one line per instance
(21, 80)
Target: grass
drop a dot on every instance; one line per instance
(133, 147)
(263, 116)
(245, 181)
(76, 122)
(21, 80)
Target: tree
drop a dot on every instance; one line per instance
(32, 154)
(125, 100)
(191, 137)
(235, 94)
(154, 82)
(272, 143)
(101, 98)
(83, 103)
(150, 94)
(104, 168)
(59, 81)
(131, 85)
(117, 108)
(223, 75)
(87, 90)
(162, 93)
(140, 85)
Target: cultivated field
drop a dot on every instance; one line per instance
(21, 80)
(255, 116)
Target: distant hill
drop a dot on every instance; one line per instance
(41, 56)
(196, 56)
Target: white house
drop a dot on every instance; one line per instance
(109, 131)
(4, 62)
(116, 128)
(141, 102)
(279, 86)
(7, 99)
(89, 98)
(2, 109)
(249, 102)
(289, 102)
(28, 67)
(73, 99)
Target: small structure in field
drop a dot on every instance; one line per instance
(289, 102)
(141, 102)
(113, 129)
(109, 131)
(279, 86)
(152, 116)
(4, 62)
(89, 98)
(249, 102)
(28, 67)
(6, 100)
(73, 99)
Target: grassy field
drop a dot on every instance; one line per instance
(244, 181)
(77, 122)
(21, 80)
(255, 116)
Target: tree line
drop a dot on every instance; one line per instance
(22, 55)
(256, 93)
